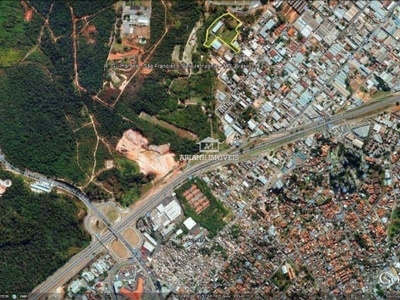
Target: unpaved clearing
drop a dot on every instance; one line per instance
(89, 32)
(258, 102)
(395, 109)
(119, 249)
(131, 236)
(142, 31)
(157, 160)
(146, 71)
(28, 12)
(128, 54)
(110, 212)
(96, 225)
(365, 97)
(28, 15)
(134, 51)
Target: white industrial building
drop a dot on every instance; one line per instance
(165, 213)
(134, 16)
(41, 187)
(150, 239)
(88, 276)
(148, 246)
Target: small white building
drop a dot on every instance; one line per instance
(189, 223)
(150, 239)
(88, 276)
(75, 286)
(252, 124)
(217, 26)
(148, 246)
(284, 269)
(117, 285)
(359, 144)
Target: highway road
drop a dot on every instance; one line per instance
(246, 151)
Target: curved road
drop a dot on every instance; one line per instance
(247, 150)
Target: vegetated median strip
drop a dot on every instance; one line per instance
(181, 132)
(74, 45)
(95, 149)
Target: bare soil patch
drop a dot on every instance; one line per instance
(109, 164)
(258, 102)
(96, 225)
(89, 32)
(28, 12)
(28, 15)
(220, 85)
(365, 97)
(395, 109)
(81, 213)
(131, 236)
(157, 160)
(116, 56)
(119, 249)
(146, 71)
(141, 31)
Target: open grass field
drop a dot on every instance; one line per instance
(14, 41)
(228, 36)
(8, 57)
(144, 3)
(112, 216)
(379, 95)
(111, 212)
(210, 40)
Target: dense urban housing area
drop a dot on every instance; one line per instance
(222, 149)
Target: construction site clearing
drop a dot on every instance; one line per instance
(157, 160)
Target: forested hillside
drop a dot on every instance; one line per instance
(52, 58)
(44, 94)
(38, 233)
(41, 113)
(35, 132)
(152, 92)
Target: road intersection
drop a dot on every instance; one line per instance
(248, 150)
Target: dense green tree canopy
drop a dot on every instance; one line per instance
(39, 232)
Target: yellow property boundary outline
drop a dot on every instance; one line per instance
(236, 50)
